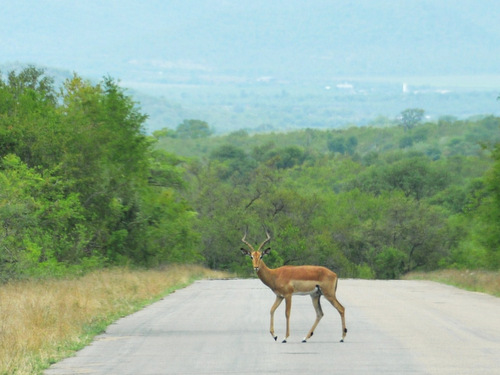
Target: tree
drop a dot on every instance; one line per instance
(487, 227)
(80, 183)
(343, 146)
(42, 224)
(352, 143)
(163, 133)
(234, 161)
(27, 117)
(414, 228)
(193, 129)
(416, 177)
(289, 156)
(389, 263)
(337, 145)
(411, 117)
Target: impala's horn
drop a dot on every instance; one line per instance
(246, 242)
(265, 241)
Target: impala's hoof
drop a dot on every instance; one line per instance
(304, 340)
(275, 338)
(341, 340)
(284, 341)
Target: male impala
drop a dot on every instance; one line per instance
(288, 280)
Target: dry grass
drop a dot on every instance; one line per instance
(44, 321)
(477, 281)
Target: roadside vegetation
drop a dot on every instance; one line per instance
(85, 194)
(475, 280)
(82, 187)
(43, 321)
(371, 202)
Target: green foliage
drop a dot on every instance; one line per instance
(411, 117)
(162, 133)
(488, 213)
(341, 145)
(350, 200)
(389, 263)
(42, 224)
(188, 129)
(166, 170)
(81, 186)
(193, 129)
(287, 157)
(415, 176)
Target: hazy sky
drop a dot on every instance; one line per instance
(284, 38)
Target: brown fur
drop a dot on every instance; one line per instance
(289, 280)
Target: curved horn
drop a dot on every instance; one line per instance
(265, 241)
(246, 242)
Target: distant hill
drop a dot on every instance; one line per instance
(273, 106)
(270, 64)
(218, 40)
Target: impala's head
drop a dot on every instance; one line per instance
(256, 255)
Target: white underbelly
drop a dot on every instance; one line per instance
(306, 293)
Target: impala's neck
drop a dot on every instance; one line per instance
(266, 274)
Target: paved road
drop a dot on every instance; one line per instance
(221, 327)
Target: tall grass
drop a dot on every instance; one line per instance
(474, 280)
(44, 321)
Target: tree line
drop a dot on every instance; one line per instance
(366, 202)
(82, 186)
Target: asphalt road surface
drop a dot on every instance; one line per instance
(222, 327)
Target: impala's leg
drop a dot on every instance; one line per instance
(288, 301)
(278, 301)
(333, 300)
(319, 315)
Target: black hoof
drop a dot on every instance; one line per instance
(275, 338)
(342, 340)
(284, 341)
(304, 340)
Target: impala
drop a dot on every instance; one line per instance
(289, 280)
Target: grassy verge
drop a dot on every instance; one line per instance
(477, 281)
(42, 322)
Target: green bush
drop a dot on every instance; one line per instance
(390, 263)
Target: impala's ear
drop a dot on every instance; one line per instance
(267, 251)
(245, 251)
